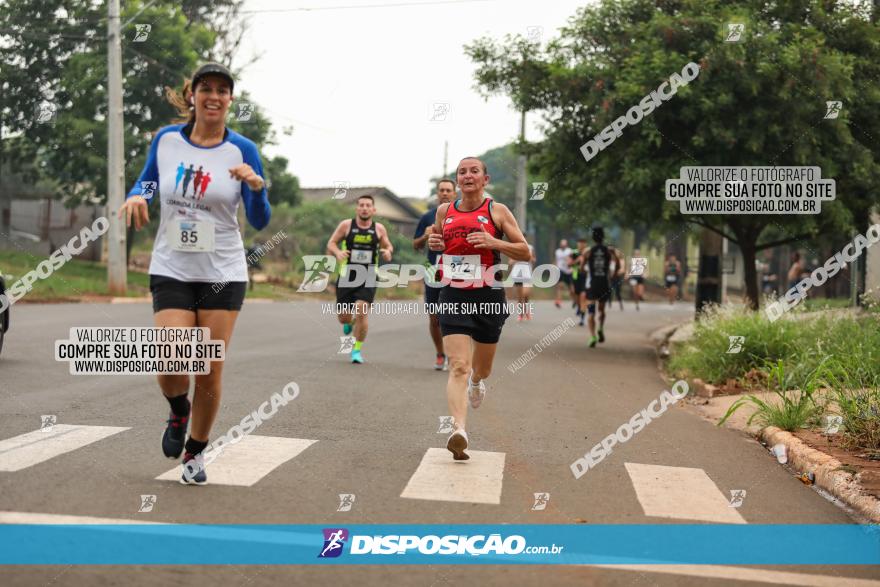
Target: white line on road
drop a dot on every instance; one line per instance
(247, 461)
(37, 518)
(747, 574)
(682, 493)
(32, 448)
(440, 478)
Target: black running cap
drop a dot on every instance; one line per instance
(212, 69)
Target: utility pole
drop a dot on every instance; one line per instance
(521, 176)
(725, 251)
(116, 263)
(445, 157)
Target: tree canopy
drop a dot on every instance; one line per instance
(759, 101)
(53, 54)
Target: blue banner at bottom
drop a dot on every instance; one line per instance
(179, 544)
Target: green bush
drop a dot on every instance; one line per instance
(803, 341)
(797, 407)
(857, 395)
(705, 354)
(797, 355)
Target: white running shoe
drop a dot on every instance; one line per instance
(194, 470)
(457, 444)
(476, 392)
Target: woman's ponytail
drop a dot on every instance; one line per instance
(182, 102)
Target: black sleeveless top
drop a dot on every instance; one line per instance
(363, 244)
(600, 261)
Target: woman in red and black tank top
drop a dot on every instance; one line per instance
(469, 234)
(458, 225)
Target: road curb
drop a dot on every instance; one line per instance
(662, 334)
(663, 337)
(828, 471)
(703, 389)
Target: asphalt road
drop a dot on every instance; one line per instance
(372, 425)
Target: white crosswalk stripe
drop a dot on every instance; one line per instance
(439, 478)
(680, 492)
(247, 461)
(33, 448)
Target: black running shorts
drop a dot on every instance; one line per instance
(432, 295)
(478, 313)
(580, 283)
(600, 289)
(565, 277)
(352, 293)
(349, 295)
(169, 293)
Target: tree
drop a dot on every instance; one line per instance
(255, 125)
(63, 62)
(757, 102)
(72, 79)
(283, 186)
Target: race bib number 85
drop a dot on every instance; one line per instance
(191, 236)
(461, 266)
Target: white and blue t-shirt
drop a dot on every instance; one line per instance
(195, 189)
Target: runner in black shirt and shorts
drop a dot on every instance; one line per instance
(598, 263)
(363, 240)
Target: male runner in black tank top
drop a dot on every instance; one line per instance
(598, 263)
(363, 239)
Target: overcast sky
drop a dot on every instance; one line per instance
(359, 84)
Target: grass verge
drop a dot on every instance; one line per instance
(794, 357)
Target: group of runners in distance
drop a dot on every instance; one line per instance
(198, 246)
(590, 276)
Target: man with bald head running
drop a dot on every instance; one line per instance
(469, 234)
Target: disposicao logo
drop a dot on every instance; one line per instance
(334, 541)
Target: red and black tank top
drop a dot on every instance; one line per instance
(458, 224)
